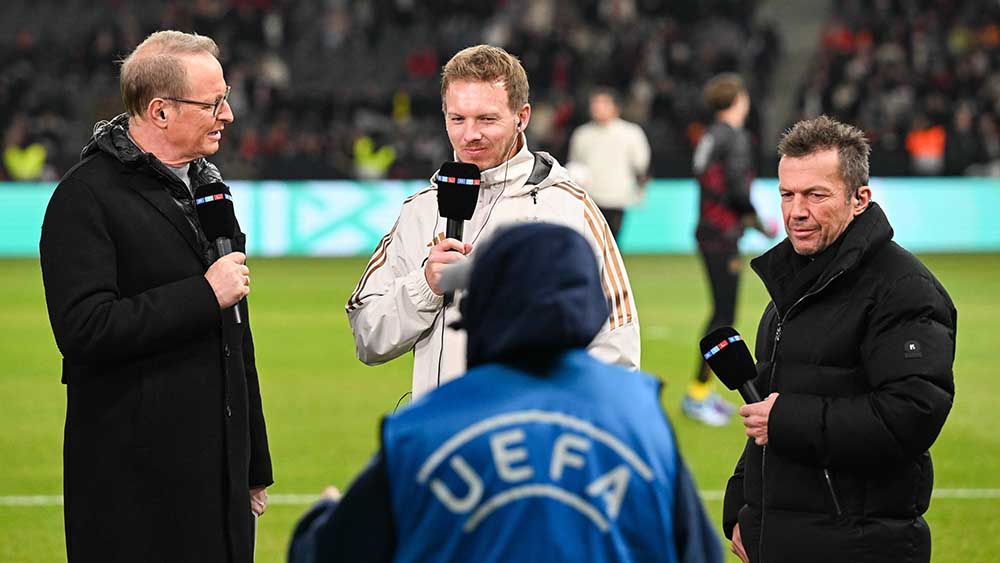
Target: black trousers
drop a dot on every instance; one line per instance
(723, 272)
(614, 218)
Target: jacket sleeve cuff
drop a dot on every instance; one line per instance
(732, 503)
(421, 293)
(207, 295)
(260, 473)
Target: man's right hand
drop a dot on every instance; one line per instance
(230, 279)
(443, 253)
(737, 546)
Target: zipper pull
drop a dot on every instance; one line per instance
(534, 195)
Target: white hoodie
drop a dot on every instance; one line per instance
(393, 310)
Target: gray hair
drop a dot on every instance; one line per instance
(823, 133)
(154, 68)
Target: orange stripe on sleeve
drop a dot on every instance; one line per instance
(594, 218)
(379, 257)
(377, 260)
(611, 255)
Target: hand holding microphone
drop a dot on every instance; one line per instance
(442, 254)
(228, 276)
(755, 418)
(230, 279)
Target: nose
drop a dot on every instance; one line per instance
(470, 131)
(799, 207)
(226, 113)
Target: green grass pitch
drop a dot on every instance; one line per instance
(323, 406)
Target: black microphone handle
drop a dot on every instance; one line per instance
(455, 229)
(224, 246)
(749, 393)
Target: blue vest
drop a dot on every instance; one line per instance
(501, 465)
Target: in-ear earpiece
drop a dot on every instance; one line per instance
(519, 125)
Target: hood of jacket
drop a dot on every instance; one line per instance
(534, 292)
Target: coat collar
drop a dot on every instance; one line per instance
(512, 173)
(112, 137)
(151, 189)
(869, 232)
(525, 173)
(154, 181)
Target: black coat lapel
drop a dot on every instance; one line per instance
(157, 195)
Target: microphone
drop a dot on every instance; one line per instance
(458, 189)
(728, 356)
(214, 205)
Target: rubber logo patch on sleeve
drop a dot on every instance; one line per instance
(912, 350)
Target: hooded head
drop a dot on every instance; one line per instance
(534, 291)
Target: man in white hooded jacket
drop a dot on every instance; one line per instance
(398, 304)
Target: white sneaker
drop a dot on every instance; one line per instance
(721, 405)
(705, 411)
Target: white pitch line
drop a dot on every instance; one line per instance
(36, 500)
(309, 498)
(966, 493)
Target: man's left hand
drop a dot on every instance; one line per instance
(755, 417)
(258, 500)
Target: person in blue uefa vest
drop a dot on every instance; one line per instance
(540, 453)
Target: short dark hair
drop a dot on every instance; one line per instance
(823, 133)
(721, 90)
(606, 91)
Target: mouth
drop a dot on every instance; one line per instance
(473, 151)
(215, 135)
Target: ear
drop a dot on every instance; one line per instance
(157, 112)
(523, 117)
(860, 200)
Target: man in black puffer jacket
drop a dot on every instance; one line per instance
(855, 351)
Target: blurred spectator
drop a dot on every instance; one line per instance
(609, 157)
(899, 68)
(925, 144)
(23, 160)
(962, 147)
(340, 71)
(991, 147)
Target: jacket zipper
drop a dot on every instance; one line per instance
(833, 493)
(763, 455)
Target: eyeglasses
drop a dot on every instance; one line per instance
(216, 105)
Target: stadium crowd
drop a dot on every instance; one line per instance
(920, 77)
(349, 89)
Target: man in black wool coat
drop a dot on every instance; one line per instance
(165, 453)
